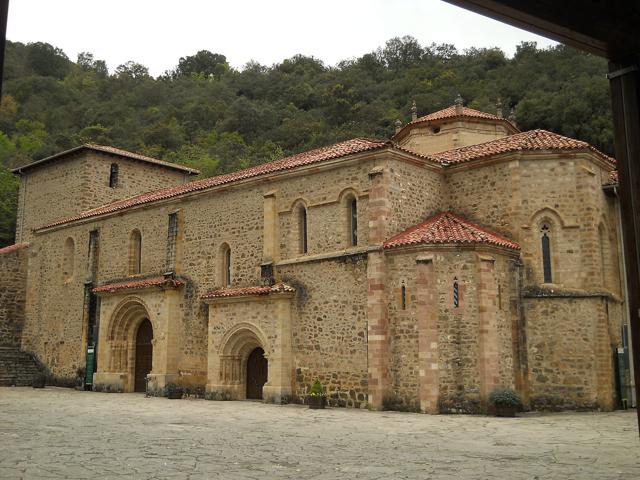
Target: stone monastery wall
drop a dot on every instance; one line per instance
(282, 262)
(13, 265)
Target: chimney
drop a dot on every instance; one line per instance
(398, 125)
(499, 108)
(414, 111)
(459, 105)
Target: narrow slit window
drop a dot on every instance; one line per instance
(546, 253)
(353, 222)
(225, 263)
(303, 229)
(456, 293)
(172, 236)
(113, 175)
(135, 253)
(403, 296)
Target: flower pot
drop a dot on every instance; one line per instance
(506, 410)
(316, 401)
(174, 395)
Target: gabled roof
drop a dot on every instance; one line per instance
(13, 248)
(139, 284)
(451, 113)
(531, 140)
(449, 228)
(348, 147)
(111, 151)
(249, 291)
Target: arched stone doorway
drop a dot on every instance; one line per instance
(143, 355)
(257, 373)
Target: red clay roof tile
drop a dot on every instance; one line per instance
(448, 228)
(112, 151)
(337, 150)
(524, 141)
(138, 284)
(13, 248)
(247, 291)
(451, 113)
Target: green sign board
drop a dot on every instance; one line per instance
(91, 356)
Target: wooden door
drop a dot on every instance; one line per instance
(144, 355)
(257, 373)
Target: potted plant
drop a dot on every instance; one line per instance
(174, 391)
(39, 380)
(505, 401)
(317, 397)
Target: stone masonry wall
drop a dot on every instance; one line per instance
(13, 278)
(459, 349)
(81, 182)
(570, 343)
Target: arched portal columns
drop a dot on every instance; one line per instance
(237, 325)
(121, 313)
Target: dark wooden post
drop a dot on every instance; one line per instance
(624, 77)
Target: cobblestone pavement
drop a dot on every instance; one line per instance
(60, 433)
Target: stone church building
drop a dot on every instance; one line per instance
(418, 273)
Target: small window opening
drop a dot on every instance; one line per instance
(353, 222)
(135, 253)
(113, 175)
(436, 130)
(302, 228)
(172, 236)
(403, 296)
(226, 265)
(456, 293)
(545, 230)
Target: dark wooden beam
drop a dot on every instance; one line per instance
(625, 97)
(4, 12)
(606, 28)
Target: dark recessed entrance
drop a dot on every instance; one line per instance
(144, 355)
(257, 372)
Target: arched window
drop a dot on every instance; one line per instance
(225, 263)
(352, 212)
(135, 252)
(68, 259)
(302, 229)
(545, 238)
(113, 175)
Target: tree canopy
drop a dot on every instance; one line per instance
(210, 116)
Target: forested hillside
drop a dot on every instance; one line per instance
(215, 118)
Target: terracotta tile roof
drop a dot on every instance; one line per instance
(524, 141)
(138, 284)
(13, 248)
(246, 291)
(337, 150)
(109, 150)
(451, 113)
(448, 228)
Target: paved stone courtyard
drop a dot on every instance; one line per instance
(60, 433)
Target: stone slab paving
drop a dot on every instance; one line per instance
(61, 433)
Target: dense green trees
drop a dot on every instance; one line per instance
(209, 116)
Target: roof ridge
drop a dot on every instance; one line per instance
(441, 229)
(328, 152)
(109, 150)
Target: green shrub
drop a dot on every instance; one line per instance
(316, 388)
(505, 397)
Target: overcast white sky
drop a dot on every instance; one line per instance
(157, 33)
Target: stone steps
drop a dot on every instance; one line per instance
(17, 368)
